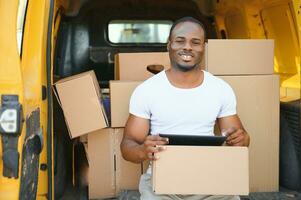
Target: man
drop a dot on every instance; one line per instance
(182, 100)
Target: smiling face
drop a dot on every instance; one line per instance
(186, 46)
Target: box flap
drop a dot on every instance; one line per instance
(74, 77)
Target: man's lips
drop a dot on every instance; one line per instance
(186, 57)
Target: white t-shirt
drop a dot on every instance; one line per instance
(173, 110)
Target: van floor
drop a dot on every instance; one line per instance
(284, 194)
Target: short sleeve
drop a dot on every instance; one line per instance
(228, 99)
(139, 103)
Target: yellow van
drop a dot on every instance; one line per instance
(43, 41)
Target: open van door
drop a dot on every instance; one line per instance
(12, 129)
(26, 142)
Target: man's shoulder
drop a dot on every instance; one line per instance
(153, 82)
(216, 81)
(150, 87)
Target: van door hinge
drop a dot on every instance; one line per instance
(10, 129)
(44, 92)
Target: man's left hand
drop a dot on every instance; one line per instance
(237, 137)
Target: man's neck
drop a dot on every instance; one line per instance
(186, 80)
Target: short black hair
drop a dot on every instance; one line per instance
(187, 19)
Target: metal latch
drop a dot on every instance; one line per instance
(10, 129)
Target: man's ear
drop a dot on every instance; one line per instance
(167, 46)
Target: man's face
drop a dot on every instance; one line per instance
(186, 46)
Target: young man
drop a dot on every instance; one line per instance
(182, 100)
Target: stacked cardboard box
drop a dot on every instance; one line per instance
(165, 169)
(81, 101)
(133, 66)
(109, 173)
(247, 65)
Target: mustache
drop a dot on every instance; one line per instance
(185, 53)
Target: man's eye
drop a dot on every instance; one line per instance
(196, 42)
(179, 41)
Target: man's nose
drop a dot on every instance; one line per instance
(187, 46)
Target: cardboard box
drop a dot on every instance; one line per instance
(240, 57)
(202, 170)
(80, 99)
(222, 57)
(132, 66)
(127, 173)
(258, 109)
(120, 94)
(109, 173)
(101, 164)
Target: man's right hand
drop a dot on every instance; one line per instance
(152, 145)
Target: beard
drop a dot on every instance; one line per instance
(185, 68)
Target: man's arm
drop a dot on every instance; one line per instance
(136, 146)
(233, 128)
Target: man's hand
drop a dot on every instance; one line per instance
(150, 146)
(236, 137)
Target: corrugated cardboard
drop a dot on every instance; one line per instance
(132, 66)
(258, 109)
(222, 57)
(240, 57)
(109, 173)
(80, 99)
(202, 170)
(127, 173)
(101, 164)
(120, 94)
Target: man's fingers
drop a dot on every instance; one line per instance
(152, 156)
(151, 146)
(229, 131)
(155, 149)
(235, 134)
(152, 152)
(161, 142)
(150, 143)
(236, 140)
(161, 148)
(153, 140)
(157, 138)
(240, 144)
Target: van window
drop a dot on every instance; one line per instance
(139, 31)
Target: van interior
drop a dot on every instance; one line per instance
(91, 32)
